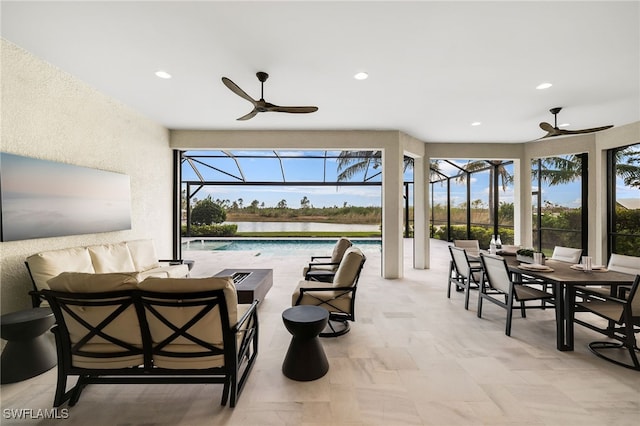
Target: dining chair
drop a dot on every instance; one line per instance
(625, 316)
(463, 274)
(618, 263)
(471, 246)
(566, 254)
(561, 254)
(498, 287)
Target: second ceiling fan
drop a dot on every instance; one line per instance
(261, 105)
(556, 131)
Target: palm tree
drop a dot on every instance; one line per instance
(559, 170)
(350, 163)
(496, 166)
(628, 165)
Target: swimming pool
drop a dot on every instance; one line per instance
(281, 247)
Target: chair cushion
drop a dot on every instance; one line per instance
(143, 254)
(339, 249)
(111, 258)
(349, 267)
(338, 302)
(49, 264)
(125, 327)
(209, 328)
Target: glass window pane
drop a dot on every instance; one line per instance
(626, 217)
(560, 208)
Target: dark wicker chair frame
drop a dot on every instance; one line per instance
(499, 288)
(623, 321)
(338, 318)
(239, 355)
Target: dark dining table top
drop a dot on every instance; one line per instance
(563, 273)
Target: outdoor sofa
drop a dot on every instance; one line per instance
(114, 328)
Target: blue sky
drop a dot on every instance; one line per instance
(303, 168)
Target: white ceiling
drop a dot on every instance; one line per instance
(435, 67)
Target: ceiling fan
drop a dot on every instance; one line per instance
(262, 105)
(556, 131)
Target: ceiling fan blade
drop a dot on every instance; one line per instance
(248, 116)
(294, 109)
(577, 132)
(547, 127)
(551, 131)
(237, 90)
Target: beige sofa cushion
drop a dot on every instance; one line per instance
(348, 269)
(167, 271)
(49, 264)
(143, 254)
(208, 329)
(111, 258)
(125, 327)
(80, 282)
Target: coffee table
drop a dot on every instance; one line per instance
(251, 284)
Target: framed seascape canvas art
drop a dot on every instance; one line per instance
(43, 198)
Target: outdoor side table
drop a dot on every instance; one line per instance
(28, 351)
(305, 359)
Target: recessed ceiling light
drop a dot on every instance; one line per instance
(564, 125)
(163, 74)
(543, 86)
(361, 76)
(476, 123)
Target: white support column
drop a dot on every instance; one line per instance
(392, 207)
(421, 213)
(518, 207)
(525, 229)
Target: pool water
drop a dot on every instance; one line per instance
(280, 247)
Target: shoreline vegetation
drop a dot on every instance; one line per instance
(348, 215)
(337, 215)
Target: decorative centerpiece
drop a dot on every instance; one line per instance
(526, 255)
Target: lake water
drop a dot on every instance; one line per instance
(302, 227)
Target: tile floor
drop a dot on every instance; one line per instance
(412, 357)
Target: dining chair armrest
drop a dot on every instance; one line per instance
(584, 290)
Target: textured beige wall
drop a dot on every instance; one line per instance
(49, 114)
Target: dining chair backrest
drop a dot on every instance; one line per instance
(566, 254)
(460, 261)
(623, 263)
(471, 246)
(496, 272)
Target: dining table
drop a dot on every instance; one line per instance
(564, 277)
